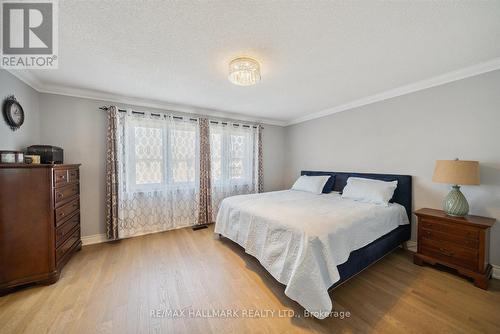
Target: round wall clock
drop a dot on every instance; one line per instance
(13, 113)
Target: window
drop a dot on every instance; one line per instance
(148, 147)
(239, 145)
(183, 150)
(231, 154)
(163, 153)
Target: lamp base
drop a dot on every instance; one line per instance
(455, 204)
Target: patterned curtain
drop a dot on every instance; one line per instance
(260, 160)
(205, 201)
(112, 175)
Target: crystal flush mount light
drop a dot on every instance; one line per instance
(244, 71)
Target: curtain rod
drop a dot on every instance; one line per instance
(152, 114)
(105, 108)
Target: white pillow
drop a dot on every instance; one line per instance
(312, 184)
(369, 191)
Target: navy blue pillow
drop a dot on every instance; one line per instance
(328, 188)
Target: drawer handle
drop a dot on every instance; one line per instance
(60, 195)
(428, 233)
(61, 214)
(62, 176)
(446, 252)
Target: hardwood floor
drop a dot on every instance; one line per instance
(114, 287)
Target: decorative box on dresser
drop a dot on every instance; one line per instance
(39, 222)
(461, 243)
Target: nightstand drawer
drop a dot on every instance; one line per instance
(458, 239)
(450, 253)
(456, 242)
(449, 228)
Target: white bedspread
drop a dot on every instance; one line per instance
(300, 237)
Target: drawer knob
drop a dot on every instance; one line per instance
(60, 195)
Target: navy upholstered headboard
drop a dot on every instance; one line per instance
(402, 194)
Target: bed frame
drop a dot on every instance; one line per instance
(362, 258)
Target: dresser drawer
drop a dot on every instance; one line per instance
(449, 228)
(62, 194)
(73, 175)
(449, 253)
(60, 177)
(458, 239)
(65, 229)
(67, 245)
(66, 210)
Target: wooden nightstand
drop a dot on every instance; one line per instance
(459, 243)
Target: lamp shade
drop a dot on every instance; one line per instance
(461, 172)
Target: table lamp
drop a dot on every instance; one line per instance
(456, 172)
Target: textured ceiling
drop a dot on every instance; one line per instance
(314, 55)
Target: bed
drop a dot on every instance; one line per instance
(313, 243)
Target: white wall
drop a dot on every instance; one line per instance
(29, 133)
(79, 127)
(405, 135)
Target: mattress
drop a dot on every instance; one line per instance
(300, 238)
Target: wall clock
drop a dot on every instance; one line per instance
(13, 113)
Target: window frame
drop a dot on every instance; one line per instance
(167, 178)
(225, 177)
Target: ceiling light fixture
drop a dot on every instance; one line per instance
(244, 71)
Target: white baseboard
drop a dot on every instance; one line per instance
(496, 271)
(412, 245)
(94, 239)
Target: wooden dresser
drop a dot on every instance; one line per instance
(39, 222)
(461, 243)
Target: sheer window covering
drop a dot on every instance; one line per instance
(158, 174)
(158, 169)
(234, 161)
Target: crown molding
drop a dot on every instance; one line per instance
(28, 78)
(463, 73)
